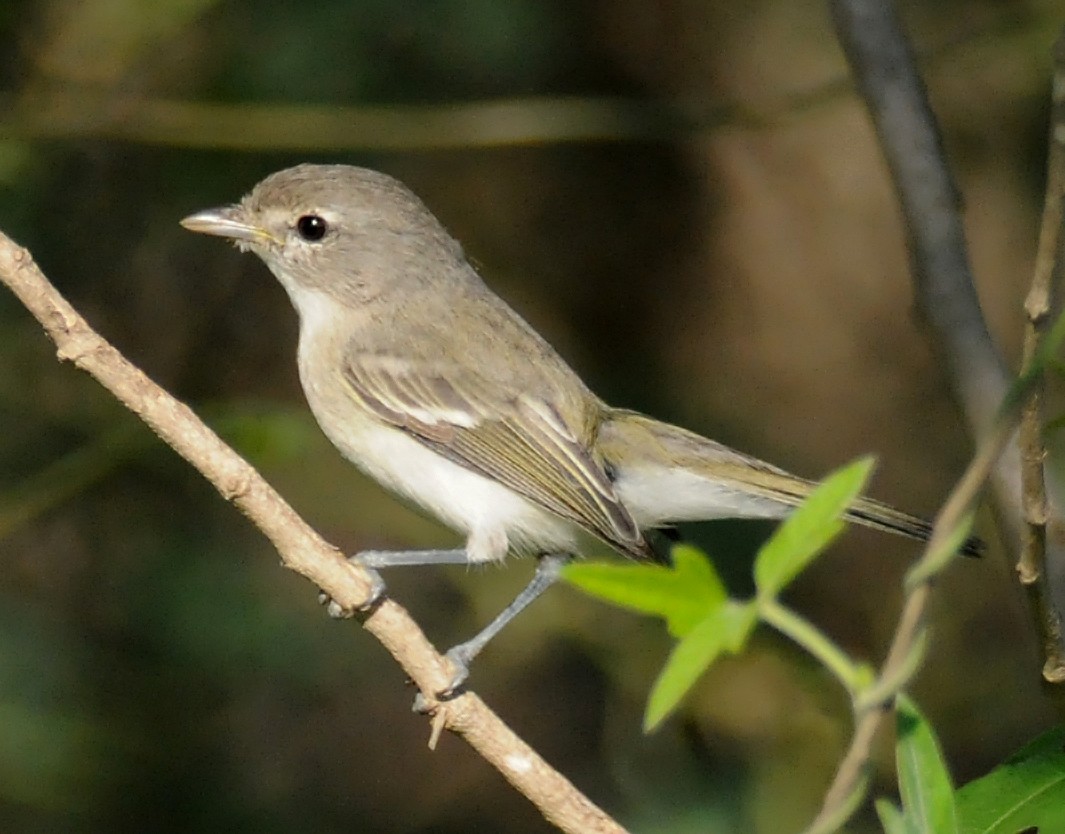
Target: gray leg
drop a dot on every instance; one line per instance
(548, 570)
(410, 558)
(373, 559)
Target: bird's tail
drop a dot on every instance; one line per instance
(666, 474)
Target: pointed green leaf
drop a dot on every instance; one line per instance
(1047, 349)
(1024, 793)
(924, 783)
(727, 629)
(809, 530)
(891, 817)
(1056, 366)
(1054, 425)
(934, 562)
(695, 567)
(684, 594)
(738, 620)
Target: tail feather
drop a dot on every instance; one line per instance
(879, 516)
(792, 490)
(667, 474)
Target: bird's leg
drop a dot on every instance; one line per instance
(410, 558)
(371, 560)
(548, 569)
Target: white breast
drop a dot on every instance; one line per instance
(493, 517)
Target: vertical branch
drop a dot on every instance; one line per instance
(885, 71)
(884, 68)
(883, 64)
(1041, 299)
(847, 790)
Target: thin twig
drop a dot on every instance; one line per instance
(852, 774)
(1038, 306)
(883, 64)
(300, 547)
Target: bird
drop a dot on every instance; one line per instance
(435, 387)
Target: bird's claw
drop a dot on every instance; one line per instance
(377, 593)
(422, 705)
(460, 663)
(457, 657)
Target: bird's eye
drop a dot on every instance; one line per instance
(312, 227)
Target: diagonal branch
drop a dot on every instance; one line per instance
(300, 547)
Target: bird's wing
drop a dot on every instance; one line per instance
(513, 437)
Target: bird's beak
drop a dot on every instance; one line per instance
(229, 222)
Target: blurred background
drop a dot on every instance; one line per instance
(684, 197)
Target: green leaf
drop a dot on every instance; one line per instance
(1054, 425)
(924, 783)
(935, 561)
(1020, 386)
(726, 629)
(809, 530)
(891, 817)
(683, 595)
(1026, 792)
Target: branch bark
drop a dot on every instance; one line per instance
(1038, 306)
(885, 70)
(903, 659)
(886, 73)
(884, 66)
(300, 547)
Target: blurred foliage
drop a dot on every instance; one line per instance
(158, 672)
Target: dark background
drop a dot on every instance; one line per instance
(731, 260)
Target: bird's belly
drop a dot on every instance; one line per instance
(494, 518)
(661, 495)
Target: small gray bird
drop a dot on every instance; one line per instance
(427, 381)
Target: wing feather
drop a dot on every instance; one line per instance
(519, 440)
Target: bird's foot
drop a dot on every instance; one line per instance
(377, 593)
(459, 658)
